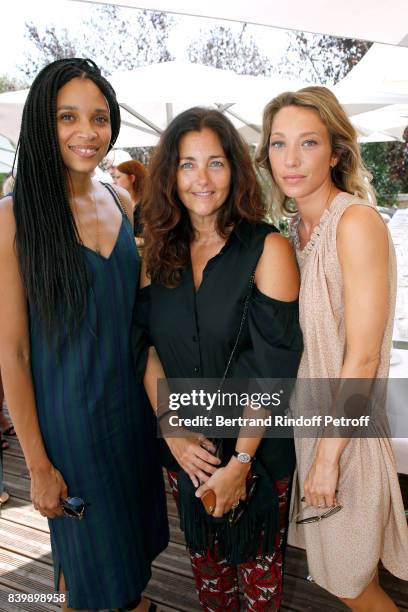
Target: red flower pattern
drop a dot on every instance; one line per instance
(217, 581)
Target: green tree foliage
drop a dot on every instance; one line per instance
(398, 162)
(376, 157)
(222, 47)
(115, 39)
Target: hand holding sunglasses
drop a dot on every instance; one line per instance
(317, 518)
(73, 507)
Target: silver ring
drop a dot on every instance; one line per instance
(235, 505)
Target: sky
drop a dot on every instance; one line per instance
(64, 13)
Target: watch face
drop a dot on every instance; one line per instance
(244, 457)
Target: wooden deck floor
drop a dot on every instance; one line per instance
(26, 565)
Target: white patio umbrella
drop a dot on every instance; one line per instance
(6, 155)
(385, 22)
(152, 95)
(389, 122)
(380, 77)
(11, 109)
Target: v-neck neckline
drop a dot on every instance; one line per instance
(108, 257)
(222, 250)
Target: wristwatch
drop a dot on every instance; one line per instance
(243, 457)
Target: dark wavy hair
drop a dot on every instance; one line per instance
(47, 240)
(167, 227)
(136, 169)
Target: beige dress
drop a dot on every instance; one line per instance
(343, 551)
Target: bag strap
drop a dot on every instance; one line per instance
(117, 199)
(241, 325)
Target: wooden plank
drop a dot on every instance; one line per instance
(23, 513)
(397, 589)
(20, 574)
(178, 591)
(25, 557)
(14, 444)
(14, 464)
(6, 606)
(301, 595)
(24, 540)
(176, 558)
(17, 486)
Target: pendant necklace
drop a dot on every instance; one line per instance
(97, 241)
(98, 250)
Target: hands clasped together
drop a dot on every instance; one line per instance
(195, 456)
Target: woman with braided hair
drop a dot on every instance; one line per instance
(69, 270)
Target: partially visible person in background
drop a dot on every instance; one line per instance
(8, 185)
(131, 176)
(113, 159)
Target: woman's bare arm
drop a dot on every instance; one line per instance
(362, 247)
(16, 369)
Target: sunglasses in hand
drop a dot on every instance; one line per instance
(73, 507)
(317, 518)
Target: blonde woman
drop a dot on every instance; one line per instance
(347, 299)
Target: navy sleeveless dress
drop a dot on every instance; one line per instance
(99, 431)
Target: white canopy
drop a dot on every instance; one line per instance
(152, 95)
(6, 155)
(378, 82)
(374, 20)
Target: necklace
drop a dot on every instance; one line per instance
(97, 247)
(97, 238)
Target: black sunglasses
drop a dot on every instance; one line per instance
(317, 517)
(73, 507)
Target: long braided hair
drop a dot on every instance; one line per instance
(47, 240)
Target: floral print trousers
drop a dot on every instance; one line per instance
(217, 581)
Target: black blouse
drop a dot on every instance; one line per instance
(195, 331)
(137, 221)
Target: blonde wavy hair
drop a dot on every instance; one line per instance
(349, 174)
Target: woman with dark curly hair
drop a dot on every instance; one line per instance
(69, 270)
(206, 244)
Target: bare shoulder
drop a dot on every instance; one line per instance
(361, 226)
(278, 246)
(277, 274)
